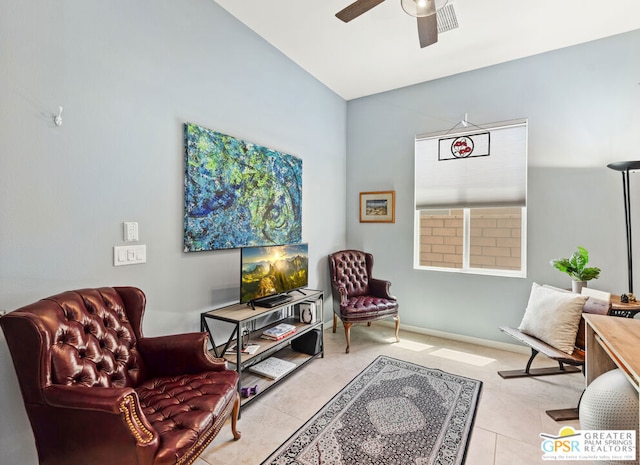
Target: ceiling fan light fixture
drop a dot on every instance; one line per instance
(422, 8)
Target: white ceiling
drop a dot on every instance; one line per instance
(379, 50)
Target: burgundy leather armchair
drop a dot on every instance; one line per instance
(98, 392)
(358, 296)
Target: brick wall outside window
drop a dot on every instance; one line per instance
(495, 238)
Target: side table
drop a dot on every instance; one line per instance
(621, 309)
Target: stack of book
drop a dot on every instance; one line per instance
(279, 332)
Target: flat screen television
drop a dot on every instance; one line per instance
(273, 269)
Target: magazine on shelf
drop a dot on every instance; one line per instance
(249, 349)
(272, 367)
(279, 331)
(277, 338)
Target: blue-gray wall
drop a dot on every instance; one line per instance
(128, 75)
(582, 104)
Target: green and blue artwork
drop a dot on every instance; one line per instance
(238, 194)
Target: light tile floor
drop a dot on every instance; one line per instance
(510, 416)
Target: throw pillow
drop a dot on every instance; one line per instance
(553, 316)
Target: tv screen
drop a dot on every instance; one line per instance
(273, 269)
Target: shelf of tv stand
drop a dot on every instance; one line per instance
(250, 379)
(237, 317)
(266, 345)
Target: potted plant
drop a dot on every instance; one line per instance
(576, 267)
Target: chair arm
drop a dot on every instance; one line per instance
(116, 410)
(339, 293)
(380, 288)
(178, 354)
(86, 398)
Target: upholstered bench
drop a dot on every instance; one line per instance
(555, 316)
(537, 346)
(98, 392)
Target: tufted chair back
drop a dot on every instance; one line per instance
(88, 338)
(351, 269)
(92, 341)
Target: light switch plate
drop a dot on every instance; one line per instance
(129, 254)
(130, 231)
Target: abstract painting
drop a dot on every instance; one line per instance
(238, 194)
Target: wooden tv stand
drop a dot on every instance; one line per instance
(227, 325)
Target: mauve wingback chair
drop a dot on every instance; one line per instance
(357, 296)
(97, 392)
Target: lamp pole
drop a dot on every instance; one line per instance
(625, 167)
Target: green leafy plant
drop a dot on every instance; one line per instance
(575, 266)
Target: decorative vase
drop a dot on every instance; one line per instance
(576, 286)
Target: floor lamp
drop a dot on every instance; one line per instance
(625, 167)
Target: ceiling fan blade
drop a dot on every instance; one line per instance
(428, 30)
(356, 9)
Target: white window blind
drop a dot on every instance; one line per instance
(472, 167)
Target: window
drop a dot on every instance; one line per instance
(495, 239)
(471, 205)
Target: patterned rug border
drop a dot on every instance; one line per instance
(355, 382)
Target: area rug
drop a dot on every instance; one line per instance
(392, 413)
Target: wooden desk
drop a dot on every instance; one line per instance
(612, 343)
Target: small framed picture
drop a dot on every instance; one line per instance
(377, 207)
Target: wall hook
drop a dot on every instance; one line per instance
(58, 119)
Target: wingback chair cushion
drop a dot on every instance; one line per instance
(98, 392)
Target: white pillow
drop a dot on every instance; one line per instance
(553, 316)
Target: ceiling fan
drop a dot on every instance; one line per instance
(423, 10)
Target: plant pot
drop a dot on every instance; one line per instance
(576, 286)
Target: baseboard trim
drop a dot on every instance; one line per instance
(458, 337)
